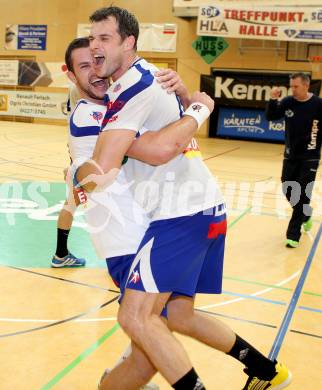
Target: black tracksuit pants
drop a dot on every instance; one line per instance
(298, 178)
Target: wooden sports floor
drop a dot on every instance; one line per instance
(58, 328)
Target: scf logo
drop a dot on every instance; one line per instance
(317, 16)
(210, 12)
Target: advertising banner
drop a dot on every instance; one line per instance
(26, 37)
(247, 20)
(187, 8)
(246, 123)
(9, 72)
(209, 48)
(158, 37)
(245, 89)
(33, 104)
(250, 88)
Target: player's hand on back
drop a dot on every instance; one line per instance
(275, 93)
(202, 97)
(171, 81)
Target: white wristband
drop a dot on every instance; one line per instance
(199, 111)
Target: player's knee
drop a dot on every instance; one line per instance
(131, 323)
(177, 323)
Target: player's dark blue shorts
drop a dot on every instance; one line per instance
(118, 268)
(182, 255)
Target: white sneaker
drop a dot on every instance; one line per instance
(149, 386)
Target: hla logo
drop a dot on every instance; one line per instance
(213, 26)
(210, 12)
(227, 88)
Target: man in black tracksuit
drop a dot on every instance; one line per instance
(303, 126)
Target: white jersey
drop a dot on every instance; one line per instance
(115, 223)
(184, 185)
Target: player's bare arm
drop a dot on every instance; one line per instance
(102, 169)
(156, 148)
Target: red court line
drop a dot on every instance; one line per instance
(220, 154)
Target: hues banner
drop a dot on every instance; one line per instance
(247, 20)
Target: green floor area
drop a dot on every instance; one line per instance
(28, 217)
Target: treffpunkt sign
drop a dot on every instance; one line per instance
(244, 20)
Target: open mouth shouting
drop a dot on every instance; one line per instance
(99, 60)
(99, 83)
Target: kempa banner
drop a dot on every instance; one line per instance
(33, 104)
(238, 20)
(244, 89)
(247, 88)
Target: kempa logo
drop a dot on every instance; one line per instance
(227, 88)
(314, 133)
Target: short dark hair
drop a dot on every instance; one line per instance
(77, 43)
(127, 22)
(300, 75)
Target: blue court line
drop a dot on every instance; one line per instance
(310, 309)
(254, 298)
(281, 303)
(292, 305)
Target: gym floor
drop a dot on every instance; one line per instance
(58, 327)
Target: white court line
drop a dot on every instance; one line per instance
(252, 295)
(114, 318)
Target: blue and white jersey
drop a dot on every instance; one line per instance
(183, 186)
(116, 224)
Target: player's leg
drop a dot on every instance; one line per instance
(130, 374)
(154, 274)
(289, 178)
(63, 258)
(292, 190)
(138, 370)
(142, 323)
(184, 319)
(302, 211)
(307, 179)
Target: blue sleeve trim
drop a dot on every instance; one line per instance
(84, 131)
(145, 81)
(180, 106)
